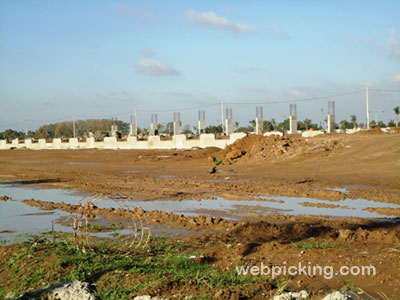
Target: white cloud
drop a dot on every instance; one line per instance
(393, 44)
(300, 94)
(211, 20)
(149, 66)
(135, 13)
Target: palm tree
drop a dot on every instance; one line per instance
(273, 122)
(253, 123)
(397, 112)
(236, 125)
(307, 123)
(353, 119)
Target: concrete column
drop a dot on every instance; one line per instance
(153, 124)
(177, 128)
(207, 140)
(153, 141)
(331, 124)
(28, 143)
(202, 122)
(56, 143)
(110, 142)
(259, 125)
(228, 126)
(201, 127)
(15, 143)
(293, 124)
(73, 143)
(42, 144)
(132, 142)
(179, 141)
(90, 142)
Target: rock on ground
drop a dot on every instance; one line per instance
(74, 290)
(302, 295)
(337, 296)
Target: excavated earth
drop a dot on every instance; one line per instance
(328, 167)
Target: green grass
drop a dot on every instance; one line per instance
(312, 243)
(119, 273)
(219, 159)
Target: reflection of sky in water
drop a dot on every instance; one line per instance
(12, 212)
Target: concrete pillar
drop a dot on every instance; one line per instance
(132, 130)
(177, 128)
(90, 142)
(331, 124)
(42, 144)
(228, 122)
(259, 120)
(28, 143)
(177, 123)
(293, 119)
(110, 142)
(207, 140)
(114, 129)
(331, 117)
(153, 141)
(202, 122)
(73, 143)
(228, 126)
(15, 143)
(201, 127)
(179, 141)
(153, 124)
(293, 124)
(259, 126)
(57, 143)
(132, 142)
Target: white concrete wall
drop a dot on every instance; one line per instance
(311, 133)
(153, 142)
(273, 133)
(73, 143)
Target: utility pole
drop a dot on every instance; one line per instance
(222, 117)
(136, 129)
(367, 99)
(26, 129)
(73, 124)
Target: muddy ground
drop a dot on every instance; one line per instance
(367, 165)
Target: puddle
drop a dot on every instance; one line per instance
(18, 219)
(21, 218)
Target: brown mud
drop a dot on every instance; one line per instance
(329, 167)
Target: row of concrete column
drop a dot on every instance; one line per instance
(229, 121)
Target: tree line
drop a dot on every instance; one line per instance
(102, 127)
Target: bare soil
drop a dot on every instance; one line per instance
(367, 165)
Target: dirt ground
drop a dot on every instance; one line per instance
(367, 165)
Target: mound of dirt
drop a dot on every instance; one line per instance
(257, 147)
(375, 130)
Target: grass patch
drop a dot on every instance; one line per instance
(118, 273)
(312, 243)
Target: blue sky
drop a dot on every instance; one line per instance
(105, 58)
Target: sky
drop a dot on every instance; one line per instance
(103, 59)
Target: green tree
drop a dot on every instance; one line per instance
(307, 123)
(353, 120)
(397, 112)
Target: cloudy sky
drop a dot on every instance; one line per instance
(105, 58)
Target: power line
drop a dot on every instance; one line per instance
(299, 100)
